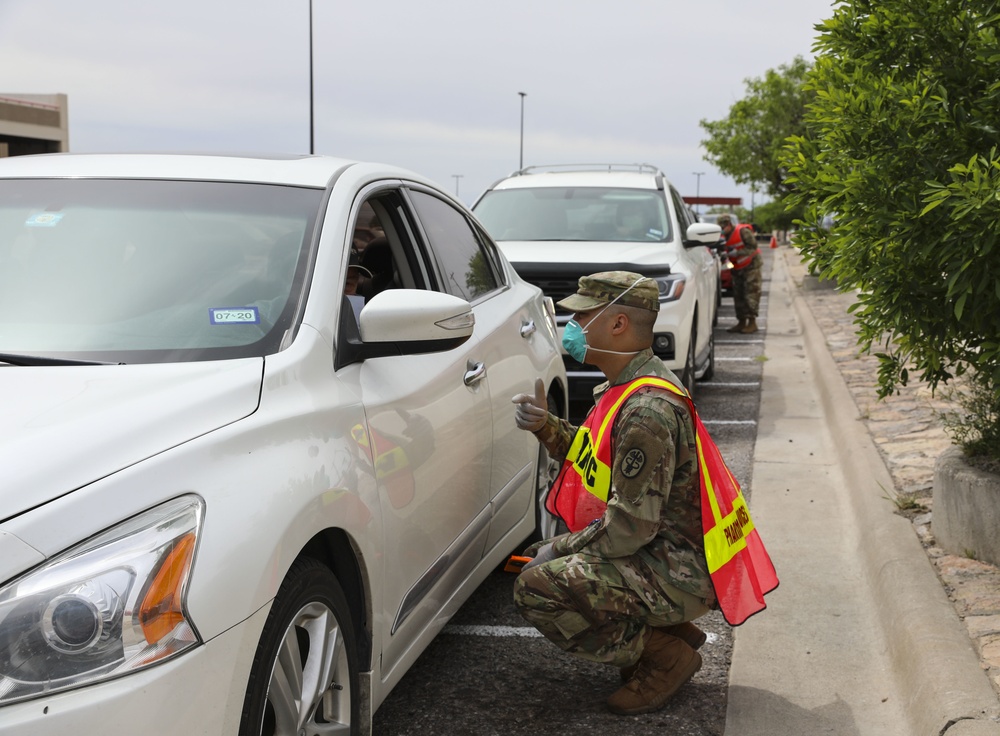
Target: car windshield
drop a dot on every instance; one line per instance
(140, 271)
(590, 214)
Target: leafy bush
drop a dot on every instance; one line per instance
(900, 142)
(976, 426)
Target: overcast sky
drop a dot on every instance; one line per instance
(432, 86)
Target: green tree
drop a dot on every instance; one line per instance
(747, 145)
(901, 143)
(776, 215)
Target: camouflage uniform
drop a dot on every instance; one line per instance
(642, 563)
(747, 281)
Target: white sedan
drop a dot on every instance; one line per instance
(233, 498)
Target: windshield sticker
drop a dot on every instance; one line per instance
(44, 219)
(657, 233)
(234, 316)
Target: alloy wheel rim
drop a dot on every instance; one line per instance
(309, 692)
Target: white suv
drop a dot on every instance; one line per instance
(557, 223)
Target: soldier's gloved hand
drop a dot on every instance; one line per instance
(545, 554)
(532, 411)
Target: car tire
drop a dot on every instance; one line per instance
(306, 665)
(687, 377)
(710, 368)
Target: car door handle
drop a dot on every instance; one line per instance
(475, 372)
(528, 328)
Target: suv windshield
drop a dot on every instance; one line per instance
(575, 213)
(137, 271)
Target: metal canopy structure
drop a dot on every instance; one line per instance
(730, 201)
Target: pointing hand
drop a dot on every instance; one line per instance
(532, 411)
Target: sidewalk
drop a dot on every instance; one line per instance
(861, 637)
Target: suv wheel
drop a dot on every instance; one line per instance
(710, 366)
(687, 377)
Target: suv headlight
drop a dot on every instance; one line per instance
(671, 287)
(109, 606)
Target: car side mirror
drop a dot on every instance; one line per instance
(403, 322)
(702, 233)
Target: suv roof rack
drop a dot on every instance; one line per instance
(637, 168)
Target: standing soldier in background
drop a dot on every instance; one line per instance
(741, 247)
(623, 587)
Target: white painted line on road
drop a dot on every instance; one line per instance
(492, 631)
(730, 421)
(525, 631)
(731, 343)
(720, 384)
(733, 360)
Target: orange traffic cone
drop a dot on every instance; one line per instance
(774, 242)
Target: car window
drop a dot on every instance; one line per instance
(466, 270)
(603, 214)
(151, 271)
(681, 208)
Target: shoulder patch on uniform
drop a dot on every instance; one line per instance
(633, 463)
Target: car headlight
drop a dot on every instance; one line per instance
(671, 287)
(109, 606)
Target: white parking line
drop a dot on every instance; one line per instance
(749, 422)
(524, 631)
(733, 360)
(719, 384)
(492, 631)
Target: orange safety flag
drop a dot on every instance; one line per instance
(741, 570)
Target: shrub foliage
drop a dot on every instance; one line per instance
(900, 144)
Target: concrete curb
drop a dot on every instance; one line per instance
(940, 677)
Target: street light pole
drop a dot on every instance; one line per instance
(521, 162)
(698, 175)
(457, 177)
(312, 137)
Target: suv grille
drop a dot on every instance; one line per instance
(557, 287)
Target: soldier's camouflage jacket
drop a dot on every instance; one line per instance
(651, 529)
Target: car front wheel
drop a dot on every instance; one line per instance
(304, 679)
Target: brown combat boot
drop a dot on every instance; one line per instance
(686, 632)
(666, 664)
(738, 327)
(750, 327)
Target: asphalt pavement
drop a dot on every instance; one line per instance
(860, 637)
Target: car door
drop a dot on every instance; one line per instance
(703, 264)
(510, 348)
(429, 437)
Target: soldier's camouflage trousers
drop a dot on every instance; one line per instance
(583, 605)
(746, 289)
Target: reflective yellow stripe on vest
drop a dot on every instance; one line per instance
(595, 475)
(727, 538)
